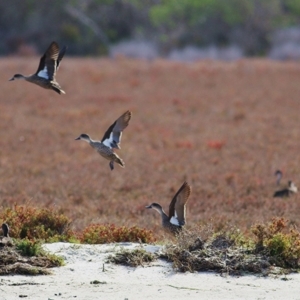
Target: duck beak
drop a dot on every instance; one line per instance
(13, 78)
(149, 206)
(77, 138)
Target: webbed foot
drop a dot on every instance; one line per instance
(111, 165)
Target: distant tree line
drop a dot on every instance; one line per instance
(89, 27)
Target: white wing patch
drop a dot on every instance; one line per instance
(43, 73)
(174, 220)
(293, 188)
(109, 142)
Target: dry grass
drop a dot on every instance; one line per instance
(132, 258)
(275, 249)
(223, 127)
(27, 258)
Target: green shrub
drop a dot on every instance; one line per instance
(279, 242)
(29, 247)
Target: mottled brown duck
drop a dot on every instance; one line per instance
(176, 219)
(287, 192)
(45, 74)
(110, 141)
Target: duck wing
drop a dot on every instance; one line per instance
(177, 205)
(112, 137)
(60, 56)
(48, 62)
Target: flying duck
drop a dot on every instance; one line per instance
(110, 141)
(177, 211)
(45, 74)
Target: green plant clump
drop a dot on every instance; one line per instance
(280, 244)
(33, 248)
(29, 247)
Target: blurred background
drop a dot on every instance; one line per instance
(184, 30)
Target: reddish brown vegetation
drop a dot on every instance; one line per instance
(278, 241)
(109, 233)
(252, 105)
(33, 224)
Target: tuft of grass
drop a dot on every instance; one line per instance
(109, 233)
(29, 247)
(28, 258)
(217, 251)
(55, 261)
(33, 248)
(132, 258)
(37, 223)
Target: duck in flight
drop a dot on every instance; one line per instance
(45, 74)
(110, 141)
(175, 221)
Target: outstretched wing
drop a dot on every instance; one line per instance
(49, 61)
(112, 137)
(177, 205)
(60, 57)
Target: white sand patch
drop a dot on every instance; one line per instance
(86, 263)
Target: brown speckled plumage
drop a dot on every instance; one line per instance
(111, 140)
(177, 210)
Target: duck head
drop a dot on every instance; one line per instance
(17, 76)
(155, 206)
(84, 137)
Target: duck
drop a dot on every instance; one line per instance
(110, 141)
(5, 240)
(175, 221)
(287, 192)
(45, 74)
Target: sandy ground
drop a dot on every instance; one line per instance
(86, 263)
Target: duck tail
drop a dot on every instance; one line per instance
(120, 161)
(58, 90)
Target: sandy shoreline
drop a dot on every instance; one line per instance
(86, 264)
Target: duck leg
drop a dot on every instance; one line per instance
(111, 165)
